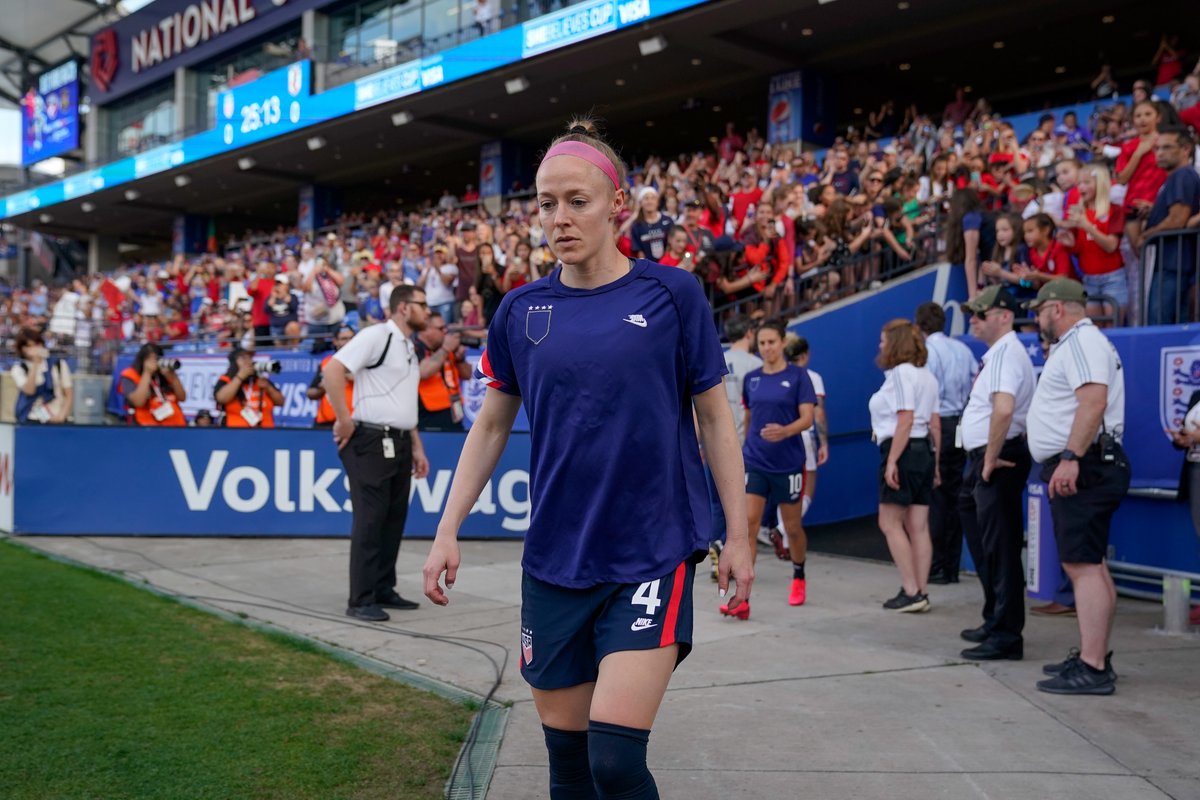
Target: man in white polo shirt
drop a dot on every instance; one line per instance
(379, 447)
(998, 462)
(1075, 427)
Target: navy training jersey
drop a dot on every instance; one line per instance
(607, 376)
(775, 398)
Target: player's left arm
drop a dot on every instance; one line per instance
(729, 474)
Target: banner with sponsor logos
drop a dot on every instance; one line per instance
(218, 482)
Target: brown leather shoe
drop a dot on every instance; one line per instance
(1053, 610)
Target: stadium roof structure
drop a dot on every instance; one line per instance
(38, 34)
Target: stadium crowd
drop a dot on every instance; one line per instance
(768, 230)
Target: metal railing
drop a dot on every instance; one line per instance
(867, 270)
(1170, 272)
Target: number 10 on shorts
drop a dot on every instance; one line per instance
(647, 595)
(796, 483)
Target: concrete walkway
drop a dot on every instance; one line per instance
(835, 700)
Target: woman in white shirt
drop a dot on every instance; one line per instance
(905, 424)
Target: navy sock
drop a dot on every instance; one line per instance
(570, 772)
(618, 758)
(798, 570)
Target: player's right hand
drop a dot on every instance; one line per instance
(737, 563)
(443, 557)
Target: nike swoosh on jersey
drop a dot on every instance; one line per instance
(641, 323)
(638, 626)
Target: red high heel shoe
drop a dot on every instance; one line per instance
(742, 612)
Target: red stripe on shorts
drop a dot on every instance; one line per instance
(668, 631)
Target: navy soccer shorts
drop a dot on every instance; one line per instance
(778, 487)
(565, 633)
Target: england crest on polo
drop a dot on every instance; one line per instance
(1180, 376)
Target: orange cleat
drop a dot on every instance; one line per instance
(799, 592)
(781, 548)
(741, 612)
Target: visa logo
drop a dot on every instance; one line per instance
(432, 76)
(633, 11)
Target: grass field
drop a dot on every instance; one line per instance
(110, 692)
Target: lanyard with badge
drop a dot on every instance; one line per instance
(253, 392)
(389, 444)
(164, 410)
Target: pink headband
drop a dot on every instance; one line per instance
(587, 153)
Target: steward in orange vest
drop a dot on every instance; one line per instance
(316, 390)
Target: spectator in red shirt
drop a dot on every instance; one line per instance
(1093, 233)
(956, 113)
(1047, 258)
(260, 290)
(748, 194)
(1138, 171)
(1169, 59)
(730, 143)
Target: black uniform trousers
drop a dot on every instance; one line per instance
(995, 530)
(379, 492)
(945, 524)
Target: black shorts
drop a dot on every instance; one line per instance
(1081, 521)
(566, 633)
(781, 488)
(916, 465)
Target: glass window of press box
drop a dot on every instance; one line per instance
(141, 121)
(247, 64)
(384, 32)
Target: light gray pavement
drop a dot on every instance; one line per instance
(835, 700)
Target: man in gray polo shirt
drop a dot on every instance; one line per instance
(1076, 423)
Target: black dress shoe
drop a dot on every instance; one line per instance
(975, 635)
(369, 613)
(989, 651)
(938, 577)
(394, 600)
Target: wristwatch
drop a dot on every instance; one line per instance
(1068, 455)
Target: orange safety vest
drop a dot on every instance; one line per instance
(145, 414)
(256, 399)
(325, 415)
(437, 391)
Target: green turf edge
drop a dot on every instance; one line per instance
(489, 722)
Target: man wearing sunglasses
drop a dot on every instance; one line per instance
(1076, 423)
(379, 446)
(993, 434)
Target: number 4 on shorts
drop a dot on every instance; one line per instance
(647, 595)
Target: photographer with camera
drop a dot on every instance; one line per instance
(152, 389)
(247, 397)
(43, 383)
(443, 367)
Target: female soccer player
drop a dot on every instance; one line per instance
(609, 356)
(779, 400)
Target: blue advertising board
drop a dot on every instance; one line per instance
(472, 58)
(799, 107)
(50, 115)
(491, 167)
(225, 482)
